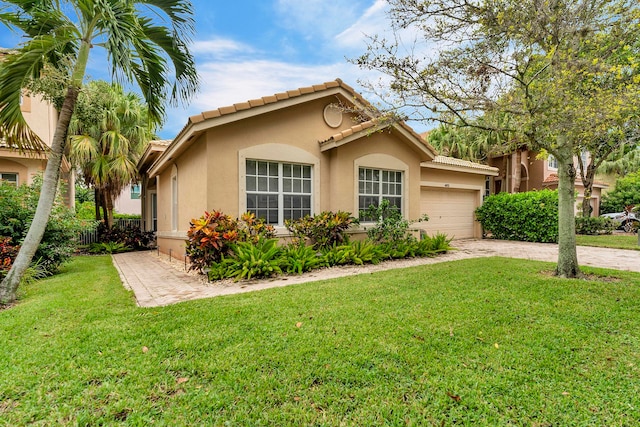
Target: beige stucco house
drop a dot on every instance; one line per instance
(20, 167)
(303, 152)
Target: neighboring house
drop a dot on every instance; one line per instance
(128, 202)
(301, 152)
(537, 174)
(20, 167)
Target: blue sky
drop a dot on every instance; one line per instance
(246, 49)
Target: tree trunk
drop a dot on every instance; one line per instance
(567, 256)
(9, 285)
(587, 182)
(517, 177)
(108, 213)
(96, 198)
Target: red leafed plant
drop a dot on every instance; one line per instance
(211, 236)
(8, 253)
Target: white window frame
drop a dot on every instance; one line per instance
(552, 162)
(281, 153)
(16, 181)
(275, 186)
(382, 162)
(375, 179)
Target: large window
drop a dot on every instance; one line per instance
(11, 178)
(376, 185)
(278, 191)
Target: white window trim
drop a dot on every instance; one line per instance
(12, 173)
(549, 159)
(382, 162)
(280, 153)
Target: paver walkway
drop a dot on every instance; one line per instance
(155, 282)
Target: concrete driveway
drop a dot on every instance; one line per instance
(156, 281)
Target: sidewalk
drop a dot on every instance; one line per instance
(156, 282)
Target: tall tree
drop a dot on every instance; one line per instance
(146, 43)
(539, 61)
(108, 133)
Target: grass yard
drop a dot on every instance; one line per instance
(615, 241)
(476, 342)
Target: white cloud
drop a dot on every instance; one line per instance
(318, 18)
(220, 47)
(373, 21)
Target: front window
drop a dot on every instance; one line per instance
(552, 162)
(10, 178)
(375, 185)
(278, 191)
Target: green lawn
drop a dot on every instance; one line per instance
(476, 342)
(616, 241)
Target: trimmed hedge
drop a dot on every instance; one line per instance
(527, 217)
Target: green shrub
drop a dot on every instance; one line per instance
(108, 248)
(17, 208)
(365, 252)
(625, 193)
(323, 230)
(595, 225)
(297, 259)
(529, 217)
(255, 260)
(390, 225)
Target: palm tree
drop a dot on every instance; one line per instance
(108, 133)
(145, 42)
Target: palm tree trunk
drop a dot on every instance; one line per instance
(9, 285)
(567, 255)
(587, 182)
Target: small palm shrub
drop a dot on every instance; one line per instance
(255, 260)
(323, 230)
(365, 252)
(108, 248)
(297, 259)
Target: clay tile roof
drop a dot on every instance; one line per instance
(348, 132)
(451, 161)
(272, 99)
(552, 178)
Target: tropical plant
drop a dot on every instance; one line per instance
(390, 225)
(108, 133)
(145, 40)
(594, 225)
(297, 259)
(255, 260)
(209, 238)
(108, 248)
(323, 230)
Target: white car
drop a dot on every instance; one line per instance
(627, 221)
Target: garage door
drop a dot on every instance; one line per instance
(450, 211)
